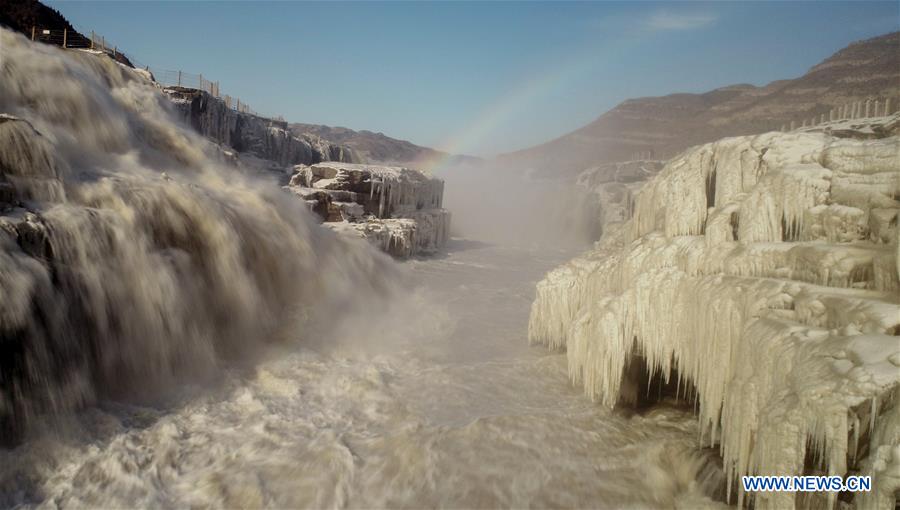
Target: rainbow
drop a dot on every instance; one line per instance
(489, 120)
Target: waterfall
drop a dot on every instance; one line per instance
(133, 256)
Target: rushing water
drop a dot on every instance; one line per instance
(437, 402)
(174, 333)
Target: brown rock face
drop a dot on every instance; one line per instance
(661, 127)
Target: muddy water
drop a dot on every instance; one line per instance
(438, 402)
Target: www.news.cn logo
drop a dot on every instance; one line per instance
(806, 484)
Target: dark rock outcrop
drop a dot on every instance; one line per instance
(250, 134)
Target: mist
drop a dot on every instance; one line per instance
(203, 306)
(502, 204)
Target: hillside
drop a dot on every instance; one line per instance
(25, 16)
(21, 15)
(664, 126)
(369, 146)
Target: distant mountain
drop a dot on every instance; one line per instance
(660, 127)
(378, 147)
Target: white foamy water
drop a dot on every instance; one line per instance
(438, 402)
(179, 333)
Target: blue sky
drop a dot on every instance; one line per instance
(479, 78)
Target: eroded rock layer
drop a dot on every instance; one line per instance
(247, 133)
(397, 209)
(760, 272)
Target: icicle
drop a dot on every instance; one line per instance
(672, 286)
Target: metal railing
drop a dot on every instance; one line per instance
(170, 78)
(65, 38)
(71, 39)
(869, 108)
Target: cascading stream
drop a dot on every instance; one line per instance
(131, 257)
(145, 283)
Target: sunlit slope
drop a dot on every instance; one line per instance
(663, 126)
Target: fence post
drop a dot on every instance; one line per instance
(103, 42)
(65, 36)
(201, 81)
(92, 39)
(179, 78)
(32, 32)
(887, 106)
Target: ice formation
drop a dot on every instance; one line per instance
(613, 187)
(250, 134)
(397, 209)
(761, 272)
(131, 259)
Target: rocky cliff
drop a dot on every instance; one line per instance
(369, 146)
(397, 209)
(664, 126)
(247, 133)
(378, 148)
(756, 277)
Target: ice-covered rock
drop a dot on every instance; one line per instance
(614, 185)
(397, 209)
(757, 275)
(247, 133)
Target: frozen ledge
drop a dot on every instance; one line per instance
(399, 210)
(759, 276)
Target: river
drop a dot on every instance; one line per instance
(438, 402)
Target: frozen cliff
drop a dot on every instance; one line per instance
(612, 187)
(757, 277)
(132, 260)
(397, 209)
(247, 133)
